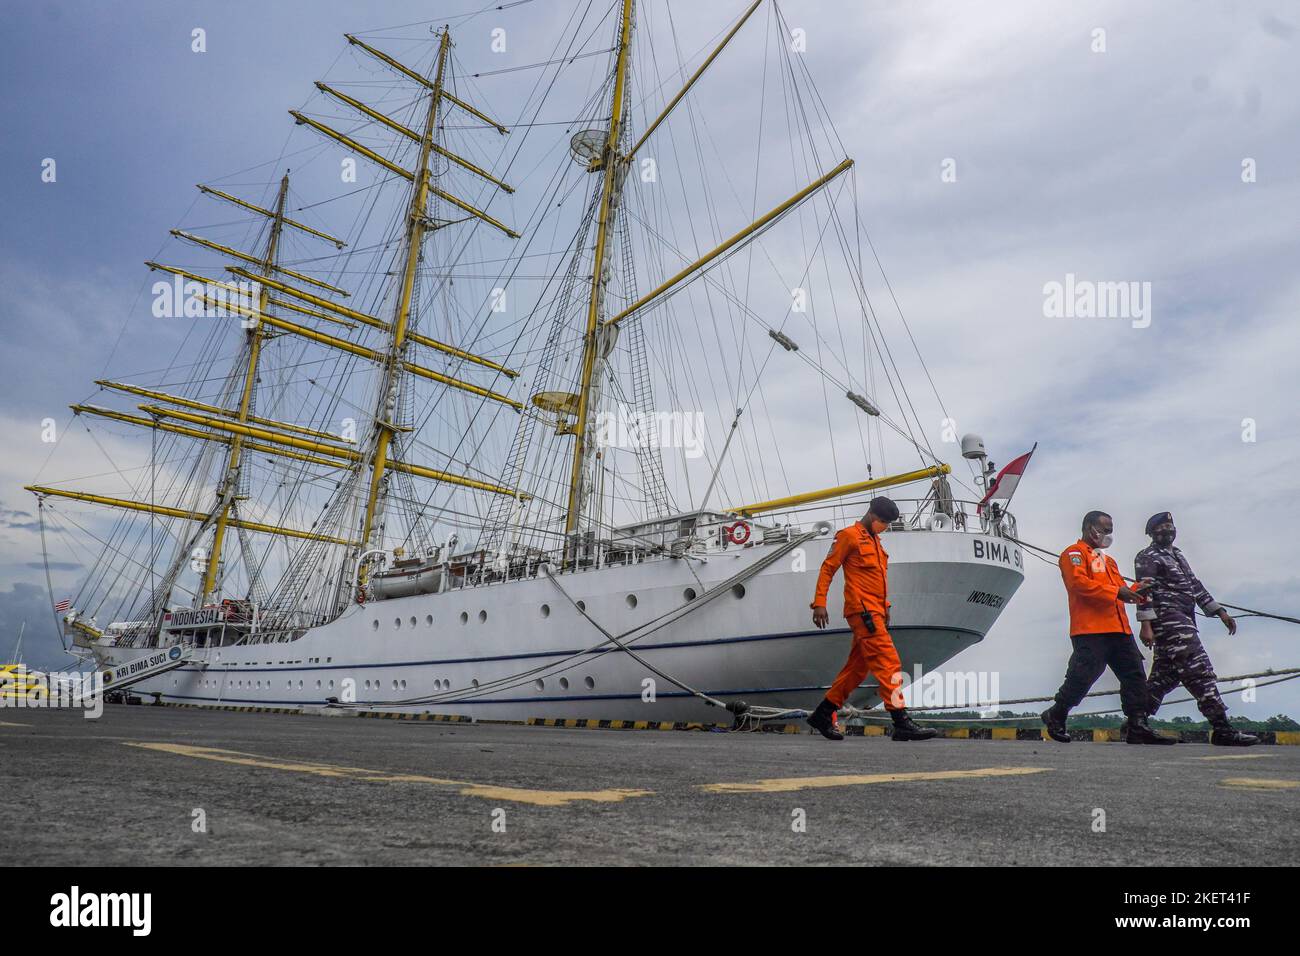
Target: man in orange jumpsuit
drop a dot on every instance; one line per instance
(1100, 633)
(866, 607)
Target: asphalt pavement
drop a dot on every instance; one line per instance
(160, 785)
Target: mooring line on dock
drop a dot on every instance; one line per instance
(1291, 673)
(744, 713)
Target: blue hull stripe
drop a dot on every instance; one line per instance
(241, 669)
(496, 700)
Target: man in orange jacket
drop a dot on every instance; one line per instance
(1100, 633)
(858, 550)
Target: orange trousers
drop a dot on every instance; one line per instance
(870, 654)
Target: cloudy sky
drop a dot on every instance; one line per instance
(1122, 164)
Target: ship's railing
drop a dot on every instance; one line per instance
(926, 514)
(918, 514)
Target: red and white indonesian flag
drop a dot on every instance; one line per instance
(1004, 485)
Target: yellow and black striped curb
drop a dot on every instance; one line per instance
(593, 724)
(237, 708)
(406, 715)
(1106, 735)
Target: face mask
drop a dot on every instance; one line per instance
(1164, 538)
(1106, 541)
(879, 527)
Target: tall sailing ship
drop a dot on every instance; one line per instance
(513, 420)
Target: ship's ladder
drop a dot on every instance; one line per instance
(154, 661)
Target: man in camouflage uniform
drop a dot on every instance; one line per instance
(1168, 621)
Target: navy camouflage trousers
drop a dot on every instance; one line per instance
(1180, 659)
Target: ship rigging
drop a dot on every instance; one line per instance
(428, 360)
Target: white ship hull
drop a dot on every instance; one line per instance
(441, 653)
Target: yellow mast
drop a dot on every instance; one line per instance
(415, 230)
(230, 483)
(840, 491)
(613, 178)
(149, 507)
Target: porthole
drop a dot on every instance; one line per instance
(564, 683)
(412, 620)
(403, 685)
(428, 620)
(289, 684)
(582, 606)
(374, 625)
(474, 683)
(539, 684)
(631, 600)
(464, 617)
(482, 617)
(589, 682)
(332, 685)
(300, 685)
(689, 594)
(738, 590)
(397, 622)
(318, 685)
(546, 610)
(394, 685)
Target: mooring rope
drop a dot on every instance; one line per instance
(1246, 611)
(759, 565)
(1286, 674)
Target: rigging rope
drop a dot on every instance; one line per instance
(45, 558)
(1246, 611)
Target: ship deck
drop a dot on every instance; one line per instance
(292, 789)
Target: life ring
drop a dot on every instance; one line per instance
(738, 533)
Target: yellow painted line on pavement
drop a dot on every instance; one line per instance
(1259, 783)
(789, 784)
(5, 723)
(1238, 757)
(540, 798)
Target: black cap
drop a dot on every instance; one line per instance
(1160, 518)
(884, 508)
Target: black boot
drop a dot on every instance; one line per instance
(1225, 735)
(1140, 732)
(822, 720)
(906, 729)
(1055, 724)
(1123, 731)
